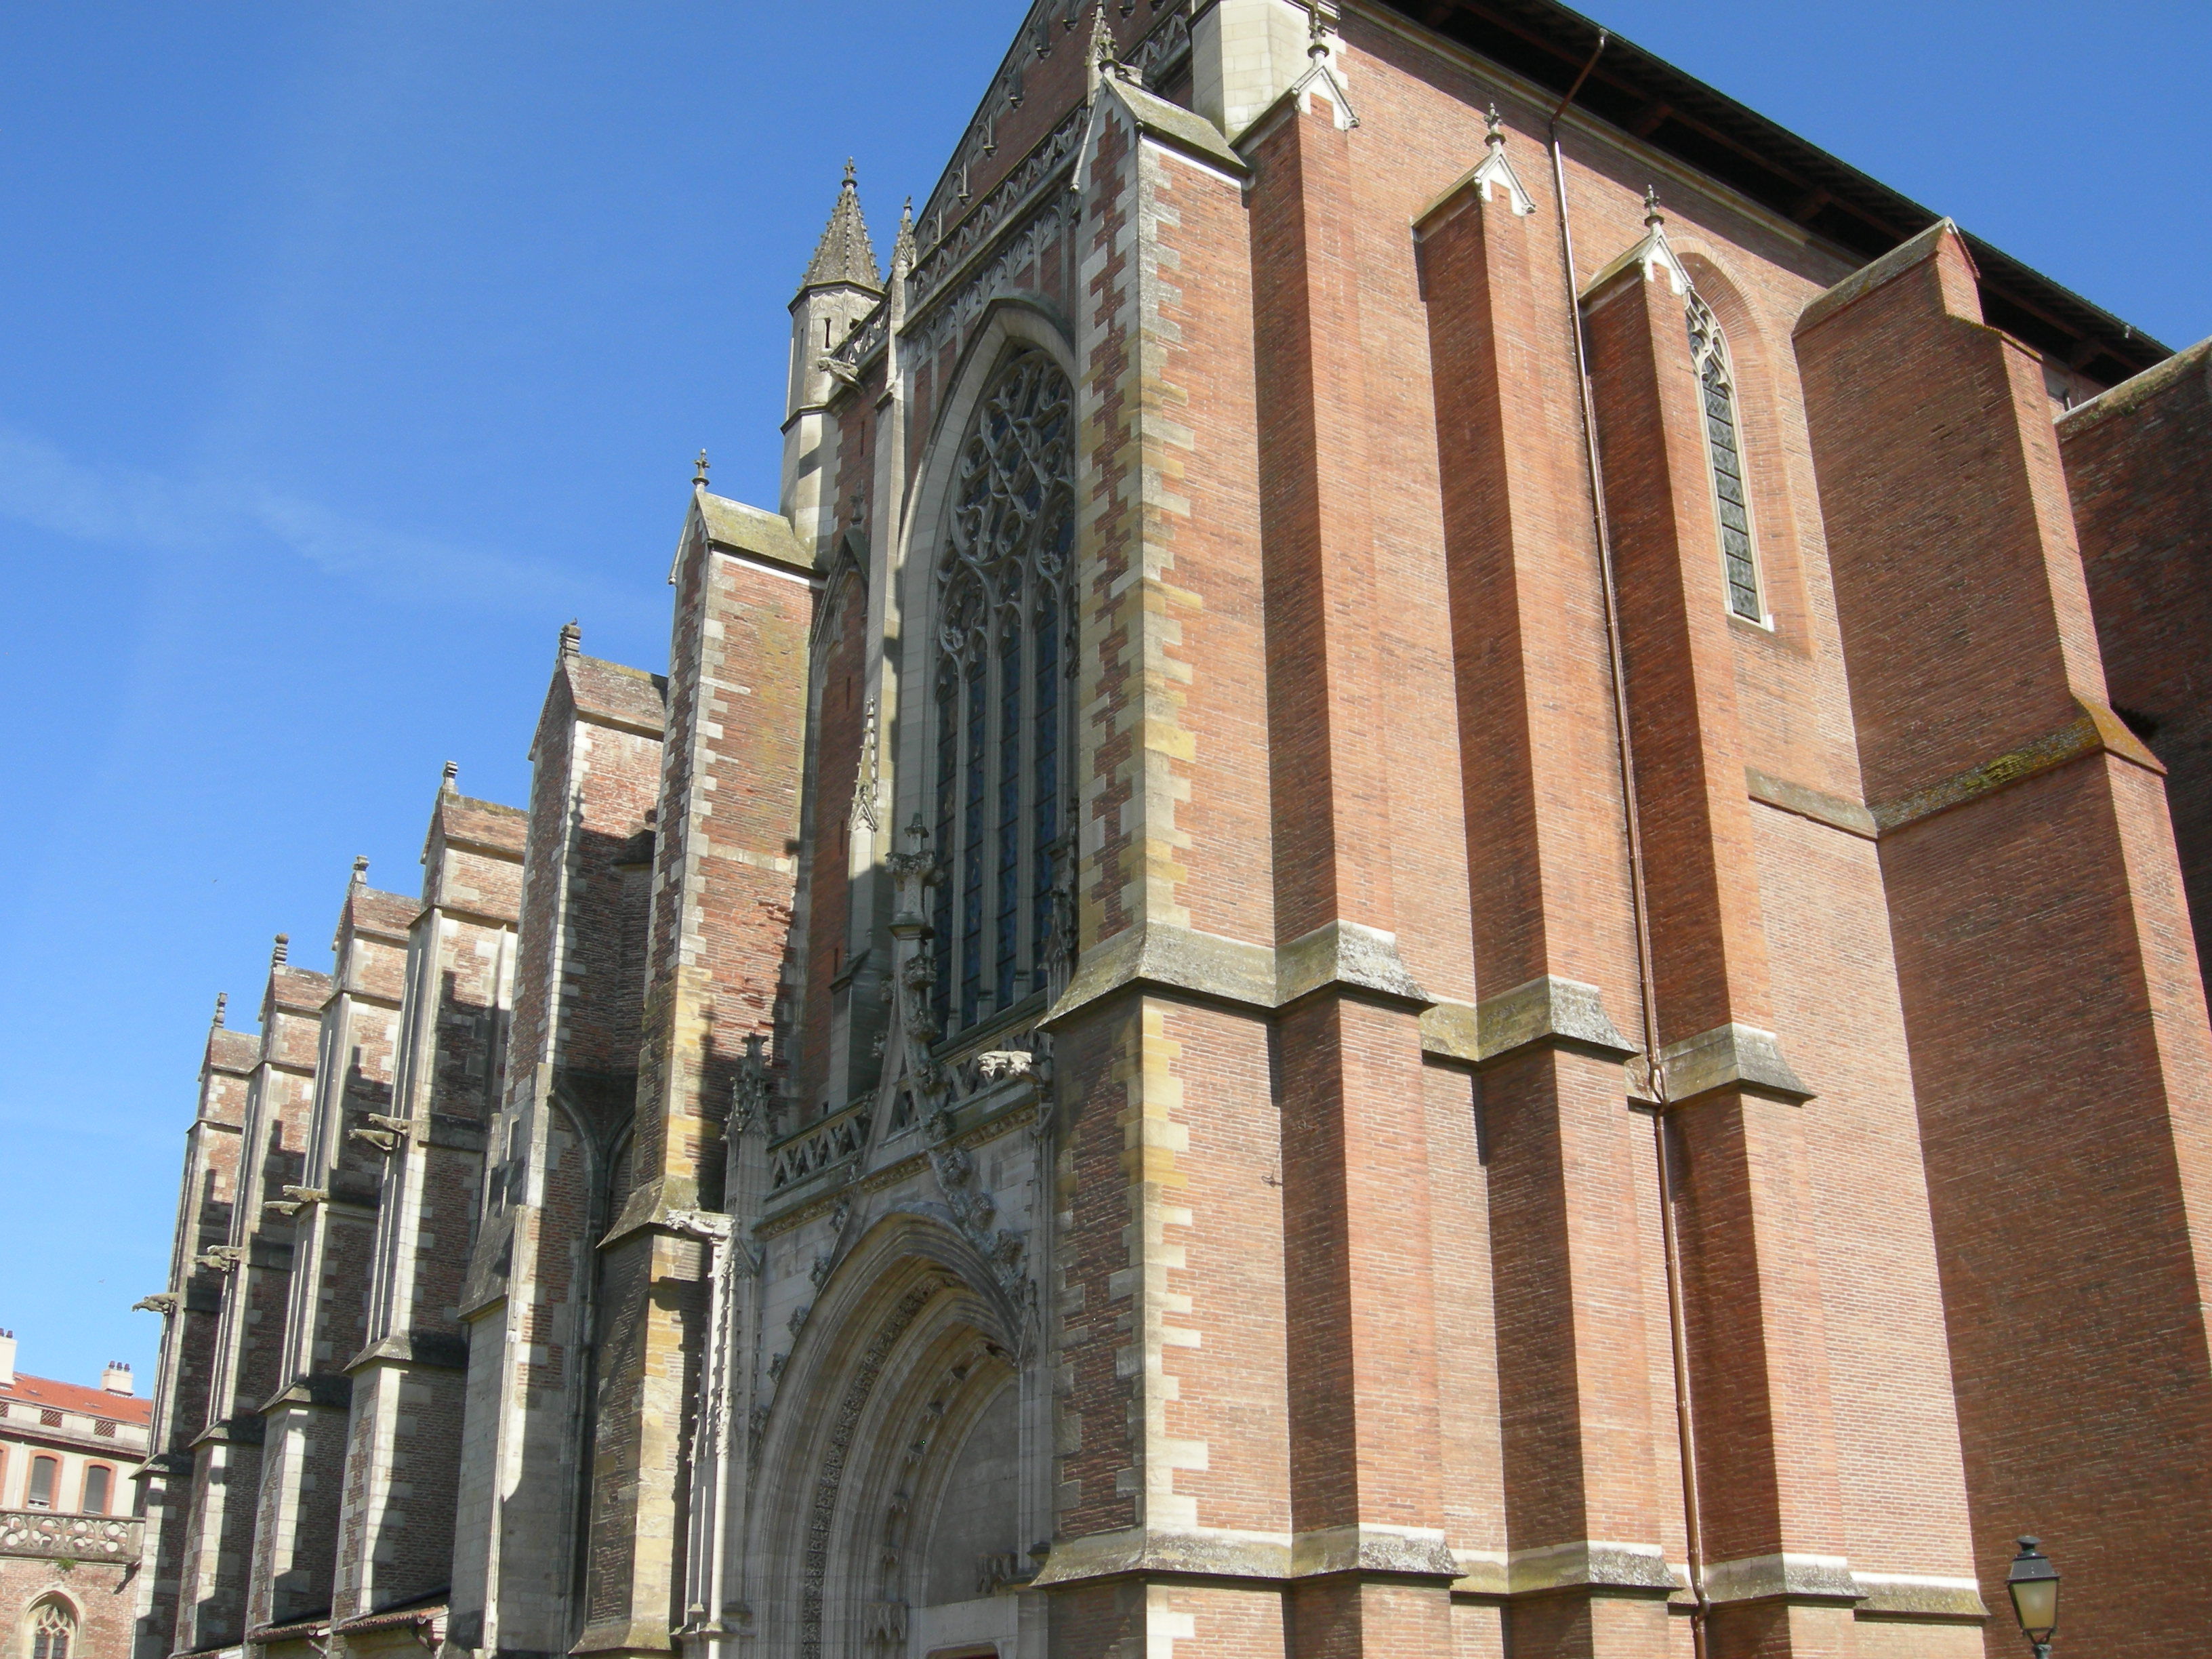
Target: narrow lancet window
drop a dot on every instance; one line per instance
(1001, 608)
(1724, 455)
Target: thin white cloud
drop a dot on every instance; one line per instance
(43, 486)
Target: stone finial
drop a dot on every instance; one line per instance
(1496, 136)
(844, 255)
(1316, 30)
(1101, 53)
(699, 470)
(572, 638)
(221, 1002)
(284, 949)
(1653, 219)
(359, 869)
(450, 782)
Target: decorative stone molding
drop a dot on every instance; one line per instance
(1806, 802)
(836, 1139)
(1785, 1578)
(1220, 1552)
(991, 278)
(1546, 1009)
(1590, 1564)
(1164, 47)
(49, 1536)
(1729, 1056)
(1172, 958)
(1654, 257)
(1479, 183)
(1919, 1596)
(1414, 1551)
(1344, 953)
(2095, 730)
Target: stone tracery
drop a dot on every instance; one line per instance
(1003, 607)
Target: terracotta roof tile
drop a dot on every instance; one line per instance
(46, 1393)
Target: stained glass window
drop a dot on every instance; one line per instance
(1724, 454)
(1002, 610)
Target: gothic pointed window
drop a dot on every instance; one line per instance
(1709, 353)
(52, 1630)
(1003, 605)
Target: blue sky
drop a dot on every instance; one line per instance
(347, 350)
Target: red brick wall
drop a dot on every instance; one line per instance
(2051, 999)
(2141, 491)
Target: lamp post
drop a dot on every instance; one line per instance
(2033, 1585)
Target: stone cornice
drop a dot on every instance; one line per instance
(1347, 956)
(1731, 1056)
(1545, 1009)
(2094, 730)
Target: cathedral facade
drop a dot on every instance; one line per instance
(1431, 895)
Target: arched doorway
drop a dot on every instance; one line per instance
(905, 1459)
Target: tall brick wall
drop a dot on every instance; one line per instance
(555, 1162)
(2142, 509)
(723, 879)
(2058, 1044)
(1529, 1021)
(403, 1463)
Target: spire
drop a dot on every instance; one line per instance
(903, 251)
(844, 254)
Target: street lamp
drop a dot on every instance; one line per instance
(2034, 1584)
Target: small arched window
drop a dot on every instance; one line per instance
(1003, 617)
(51, 1630)
(45, 1475)
(97, 1478)
(1709, 352)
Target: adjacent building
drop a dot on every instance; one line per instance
(70, 1535)
(1429, 895)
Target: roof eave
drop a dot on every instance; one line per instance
(1652, 101)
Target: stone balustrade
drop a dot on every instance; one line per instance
(55, 1536)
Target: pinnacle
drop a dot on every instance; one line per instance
(844, 254)
(903, 251)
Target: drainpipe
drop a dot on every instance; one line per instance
(1677, 1320)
